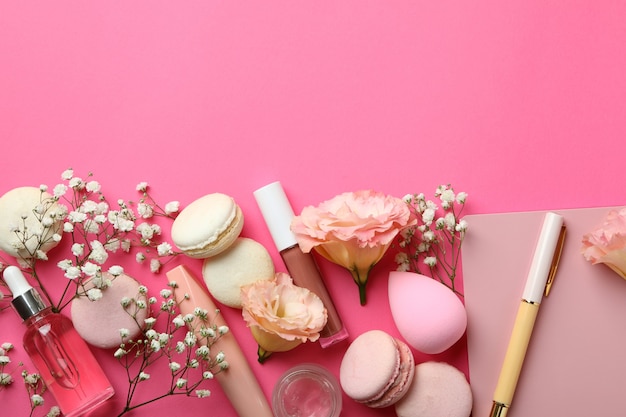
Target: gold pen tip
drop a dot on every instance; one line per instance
(498, 410)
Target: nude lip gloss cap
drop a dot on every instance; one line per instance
(277, 212)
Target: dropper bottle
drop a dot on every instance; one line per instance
(62, 358)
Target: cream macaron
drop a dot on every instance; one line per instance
(207, 226)
(30, 220)
(244, 262)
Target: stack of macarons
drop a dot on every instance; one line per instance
(379, 370)
(210, 228)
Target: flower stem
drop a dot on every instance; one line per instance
(360, 278)
(262, 355)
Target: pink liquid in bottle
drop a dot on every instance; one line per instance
(61, 356)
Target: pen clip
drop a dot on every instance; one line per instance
(558, 250)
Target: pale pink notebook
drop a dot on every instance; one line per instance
(576, 361)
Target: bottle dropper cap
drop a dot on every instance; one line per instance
(26, 301)
(277, 213)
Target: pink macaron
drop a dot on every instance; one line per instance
(377, 369)
(438, 389)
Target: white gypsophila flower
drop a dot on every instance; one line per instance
(116, 270)
(47, 221)
(140, 257)
(37, 400)
(4, 359)
(126, 301)
(178, 322)
(67, 174)
(164, 338)
(98, 253)
(430, 261)
(88, 207)
(428, 236)
(94, 294)
(180, 347)
(155, 265)
(5, 379)
(152, 300)
(90, 269)
(220, 357)
(144, 376)
(141, 304)
(76, 183)
(30, 379)
(59, 190)
(39, 254)
(428, 215)
(172, 207)
(188, 318)
(142, 289)
(145, 210)
(72, 272)
(91, 226)
(142, 186)
(76, 217)
(190, 339)
(124, 333)
(207, 332)
(99, 219)
(6, 346)
(222, 330)
(43, 188)
(56, 237)
(78, 249)
(181, 382)
(407, 198)
(55, 411)
(174, 366)
(149, 321)
(145, 231)
(93, 186)
(193, 364)
(119, 353)
(224, 365)
(165, 293)
(68, 227)
(207, 375)
(112, 245)
(164, 249)
(450, 221)
(126, 244)
(203, 351)
(461, 226)
(155, 345)
(203, 393)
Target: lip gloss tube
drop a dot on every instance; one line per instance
(277, 212)
(238, 380)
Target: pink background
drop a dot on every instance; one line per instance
(520, 104)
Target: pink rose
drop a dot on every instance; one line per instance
(607, 243)
(281, 315)
(353, 230)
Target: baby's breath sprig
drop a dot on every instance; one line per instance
(435, 241)
(35, 387)
(6, 377)
(77, 209)
(182, 342)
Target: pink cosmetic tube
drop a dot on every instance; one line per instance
(277, 212)
(238, 380)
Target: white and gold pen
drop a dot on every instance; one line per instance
(539, 281)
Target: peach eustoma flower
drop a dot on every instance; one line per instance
(353, 230)
(607, 243)
(281, 315)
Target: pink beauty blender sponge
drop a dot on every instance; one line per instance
(428, 315)
(377, 369)
(99, 322)
(438, 389)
